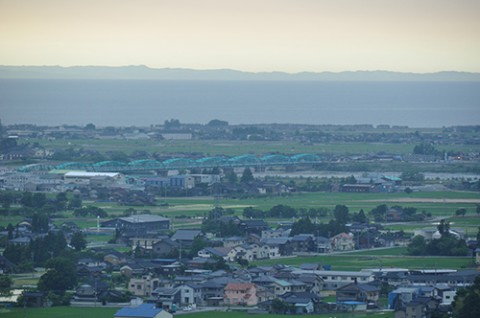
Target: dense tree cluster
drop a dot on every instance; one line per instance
(60, 276)
(38, 251)
(426, 149)
(220, 228)
(38, 202)
(447, 245)
(466, 303)
(90, 210)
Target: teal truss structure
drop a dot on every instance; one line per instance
(246, 160)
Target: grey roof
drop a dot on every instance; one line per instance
(186, 235)
(276, 240)
(297, 300)
(302, 237)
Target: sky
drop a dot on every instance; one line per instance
(250, 35)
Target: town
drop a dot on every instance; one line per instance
(287, 219)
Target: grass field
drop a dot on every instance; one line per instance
(59, 312)
(385, 258)
(234, 147)
(74, 312)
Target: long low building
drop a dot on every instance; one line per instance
(85, 177)
(141, 223)
(335, 279)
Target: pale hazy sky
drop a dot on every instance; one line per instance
(250, 35)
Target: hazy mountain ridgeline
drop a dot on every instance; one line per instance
(142, 72)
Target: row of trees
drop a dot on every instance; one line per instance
(39, 201)
(340, 213)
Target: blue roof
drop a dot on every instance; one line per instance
(142, 311)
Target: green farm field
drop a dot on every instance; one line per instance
(233, 147)
(59, 312)
(74, 312)
(237, 314)
(385, 258)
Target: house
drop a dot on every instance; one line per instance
(280, 287)
(90, 262)
(214, 252)
(303, 243)
(313, 283)
(358, 292)
(190, 294)
(233, 241)
(142, 311)
(445, 293)
(253, 226)
(167, 298)
(145, 242)
(240, 294)
(85, 292)
(417, 308)
(115, 258)
(343, 242)
(131, 269)
(282, 244)
(402, 295)
(279, 232)
(324, 245)
(143, 286)
(5, 265)
(165, 246)
(186, 237)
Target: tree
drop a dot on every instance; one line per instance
(379, 212)
(417, 246)
(279, 306)
(172, 124)
(303, 226)
(231, 177)
(466, 303)
(425, 149)
(341, 214)
(59, 277)
(26, 199)
(78, 241)
(61, 201)
(75, 202)
(89, 126)
(412, 176)
(217, 123)
(198, 244)
(247, 176)
(10, 229)
(6, 199)
(39, 222)
(461, 212)
(5, 285)
(360, 217)
(39, 200)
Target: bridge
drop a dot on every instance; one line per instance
(246, 160)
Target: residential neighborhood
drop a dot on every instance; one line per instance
(174, 238)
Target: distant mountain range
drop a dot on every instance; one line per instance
(145, 73)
